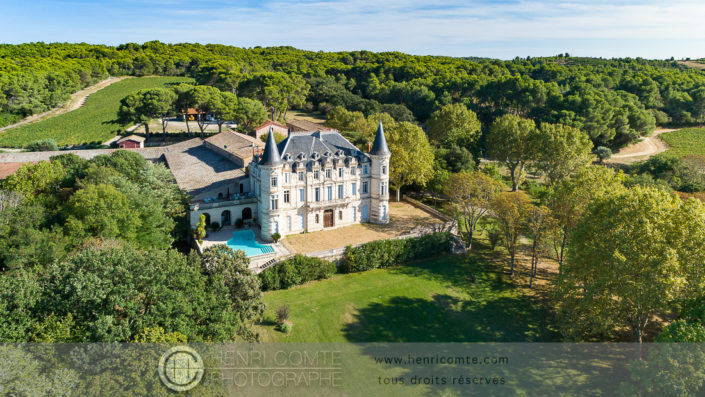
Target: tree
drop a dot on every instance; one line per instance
(243, 286)
(603, 153)
(624, 265)
(277, 91)
(510, 210)
(200, 232)
(511, 141)
(101, 211)
(145, 105)
(225, 109)
(42, 145)
(250, 113)
(184, 101)
(36, 182)
(539, 222)
(471, 193)
(570, 197)
(412, 157)
(561, 150)
(454, 124)
(205, 99)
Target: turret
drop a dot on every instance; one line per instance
(270, 181)
(379, 178)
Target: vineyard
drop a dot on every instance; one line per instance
(94, 122)
(686, 141)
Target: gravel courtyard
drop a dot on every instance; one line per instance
(403, 218)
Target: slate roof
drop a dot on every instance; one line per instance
(379, 147)
(318, 146)
(271, 154)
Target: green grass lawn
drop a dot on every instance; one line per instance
(94, 122)
(427, 301)
(685, 141)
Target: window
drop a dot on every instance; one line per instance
(340, 172)
(364, 213)
(288, 223)
(302, 195)
(365, 169)
(329, 191)
(364, 187)
(286, 196)
(384, 170)
(353, 191)
(382, 188)
(354, 213)
(318, 219)
(276, 227)
(340, 191)
(328, 173)
(318, 194)
(301, 176)
(274, 181)
(302, 220)
(273, 202)
(315, 175)
(352, 171)
(286, 177)
(384, 212)
(340, 215)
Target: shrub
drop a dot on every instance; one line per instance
(286, 326)
(294, 271)
(282, 314)
(42, 145)
(276, 237)
(386, 253)
(215, 226)
(239, 223)
(681, 331)
(603, 153)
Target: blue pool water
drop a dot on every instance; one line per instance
(245, 240)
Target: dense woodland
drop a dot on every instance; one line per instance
(614, 101)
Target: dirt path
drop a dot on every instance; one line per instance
(76, 101)
(643, 149)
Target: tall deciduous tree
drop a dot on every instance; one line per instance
(539, 221)
(412, 157)
(623, 265)
(570, 197)
(561, 150)
(471, 193)
(454, 124)
(511, 141)
(205, 100)
(510, 210)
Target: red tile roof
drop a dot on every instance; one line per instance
(270, 122)
(7, 169)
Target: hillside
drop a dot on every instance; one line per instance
(94, 122)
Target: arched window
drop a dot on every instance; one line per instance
(208, 218)
(225, 218)
(246, 213)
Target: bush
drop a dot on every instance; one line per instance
(239, 223)
(294, 271)
(385, 253)
(276, 237)
(215, 226)
(282, 314)
(603, 153)
(286, 326)
(42, 145)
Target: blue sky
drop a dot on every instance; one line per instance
(487, 28)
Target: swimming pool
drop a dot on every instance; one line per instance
(245, 240)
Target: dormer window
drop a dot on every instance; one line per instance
(365, 169)
(328, 173)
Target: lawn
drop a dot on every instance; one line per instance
(686, 141)
(94, 122)
(427, 301)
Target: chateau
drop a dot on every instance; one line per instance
(312, 180)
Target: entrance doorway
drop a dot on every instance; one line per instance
(328, 218)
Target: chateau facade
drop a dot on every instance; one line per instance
(315, 180)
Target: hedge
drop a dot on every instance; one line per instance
(386, 253)
(294, 271)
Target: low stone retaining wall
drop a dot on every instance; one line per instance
(426, 208)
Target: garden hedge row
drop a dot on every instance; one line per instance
(294, 271)
(386, 253)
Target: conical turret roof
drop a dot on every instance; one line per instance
(271, 152)
(379, 147)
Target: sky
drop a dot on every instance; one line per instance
(656, 29)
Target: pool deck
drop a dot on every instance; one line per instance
(223, 235)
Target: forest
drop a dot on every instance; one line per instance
(615, 101)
